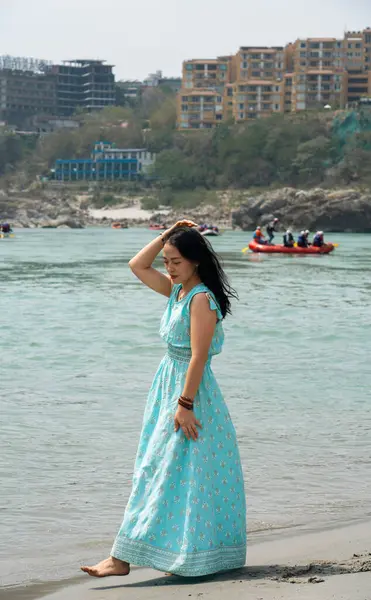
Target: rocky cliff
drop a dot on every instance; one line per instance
(345, 210)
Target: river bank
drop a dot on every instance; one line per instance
(339, 210)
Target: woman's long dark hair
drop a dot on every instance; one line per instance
(196, 248)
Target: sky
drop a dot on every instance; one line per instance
(142, 36)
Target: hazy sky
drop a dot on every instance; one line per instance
(142, 36)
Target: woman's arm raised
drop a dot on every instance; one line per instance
(141, 264)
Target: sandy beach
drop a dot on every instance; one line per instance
(121, 213)
(333, 564)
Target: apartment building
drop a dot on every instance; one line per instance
(357, 58)
(319, 74)
(200, 108)
(258, 88)
(206, 74)
(260, 81)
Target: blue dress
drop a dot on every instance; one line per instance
(186, 514)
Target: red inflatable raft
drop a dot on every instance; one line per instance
(280, 249)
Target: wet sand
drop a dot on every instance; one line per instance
(333, 564)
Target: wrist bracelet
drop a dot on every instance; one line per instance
(185, 405)
(187, 399)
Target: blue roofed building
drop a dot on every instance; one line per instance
(107, 163)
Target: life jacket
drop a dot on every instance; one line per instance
(318, 240)
(288, 239)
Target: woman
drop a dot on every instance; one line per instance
(186, 512)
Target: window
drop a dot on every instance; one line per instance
(256, 73)
(189, 67)
(358, 45)
(244, 65)
(242, 115)
(303, 45)
(303, 54)
(219, 117)
(184, 107)
(241, 106)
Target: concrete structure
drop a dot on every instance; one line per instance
(107, 163)
(87, 85)
(26, 93)
(260, 81)
(52, 90)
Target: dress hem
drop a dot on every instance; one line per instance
(195, 564)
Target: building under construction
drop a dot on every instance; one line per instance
(30, 87)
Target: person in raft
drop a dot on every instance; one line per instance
(186, 514)
(271, 229)
(258, 236)
(319, 239)
(288, 239)
(303, 239)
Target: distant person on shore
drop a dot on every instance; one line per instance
(319, 239)
(271, 229)
(303, 241)
(258, 236)
(186, 514)
(288, 239)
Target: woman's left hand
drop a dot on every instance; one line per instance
(186, 420)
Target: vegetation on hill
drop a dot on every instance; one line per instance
(305, 149)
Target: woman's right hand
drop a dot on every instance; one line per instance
(182, 223)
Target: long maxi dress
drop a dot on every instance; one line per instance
(186, 513)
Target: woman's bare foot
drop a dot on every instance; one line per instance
(110, 566)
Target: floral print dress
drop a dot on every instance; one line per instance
(186, 514)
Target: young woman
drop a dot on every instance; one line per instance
(186, 514)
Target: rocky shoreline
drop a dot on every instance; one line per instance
(341, 210)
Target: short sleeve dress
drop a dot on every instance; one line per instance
(186, 513)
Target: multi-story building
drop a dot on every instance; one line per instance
(84, 84)
(206, 74)
(25, 93)
(357, 57)
(29, 87)
(258, 87)
(260, 81)
(200, 108)
(319, 75)
(107, 163)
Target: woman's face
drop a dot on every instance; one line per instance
(179, 268)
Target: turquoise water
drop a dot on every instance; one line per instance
(78, 348)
